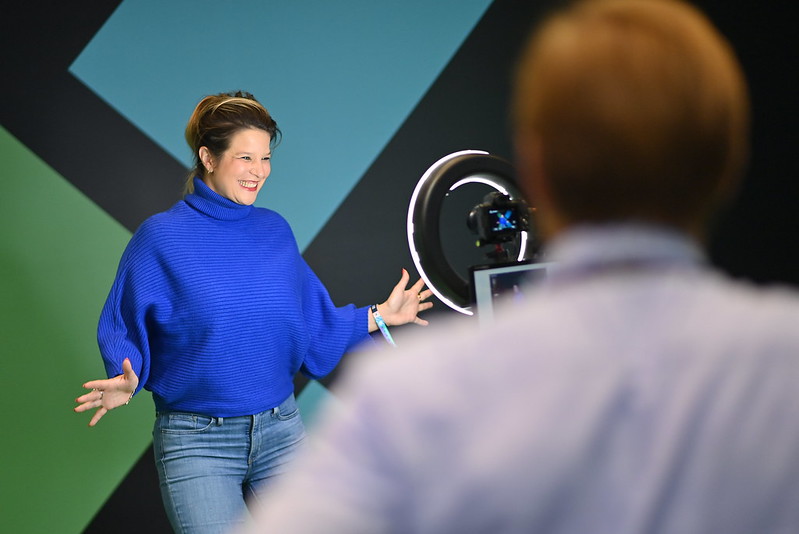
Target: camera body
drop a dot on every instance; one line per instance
(498, 219)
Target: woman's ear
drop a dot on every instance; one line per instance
(206, 158)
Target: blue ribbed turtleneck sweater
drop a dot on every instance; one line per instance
(217, 310)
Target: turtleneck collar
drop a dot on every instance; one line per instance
(212, 204)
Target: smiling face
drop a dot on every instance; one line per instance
(240, 172)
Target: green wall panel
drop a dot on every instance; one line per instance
(58, 256)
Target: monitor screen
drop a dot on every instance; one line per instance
(490, 283)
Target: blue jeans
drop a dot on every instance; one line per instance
(210, 466)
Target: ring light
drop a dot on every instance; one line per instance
(424, 235)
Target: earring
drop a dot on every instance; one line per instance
(210, 170)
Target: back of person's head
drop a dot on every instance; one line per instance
(217, 118)
(631, 110)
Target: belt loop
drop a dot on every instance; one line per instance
(276, 410)
(220, 421)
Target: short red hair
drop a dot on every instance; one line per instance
(640, 108)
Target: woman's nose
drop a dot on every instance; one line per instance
(260, 169)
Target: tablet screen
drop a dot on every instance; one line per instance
(489, 283)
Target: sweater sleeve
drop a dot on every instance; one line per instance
(333, 330)
(122, 331)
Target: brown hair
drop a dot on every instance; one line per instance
(217, 118)
(640, 108)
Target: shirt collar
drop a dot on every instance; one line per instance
(584, 250)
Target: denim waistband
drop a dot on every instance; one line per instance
(287, 406)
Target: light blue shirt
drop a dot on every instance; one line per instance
(636, 390)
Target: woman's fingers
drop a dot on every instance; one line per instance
(419, 284)
(101, 411)
(127, 370)
(97, 384)
(95, 395)
(107, 394)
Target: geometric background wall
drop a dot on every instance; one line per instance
(367, 95)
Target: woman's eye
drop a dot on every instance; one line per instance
(246, 157)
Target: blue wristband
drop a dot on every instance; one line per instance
(381, 324)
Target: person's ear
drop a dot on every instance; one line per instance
(207, 159)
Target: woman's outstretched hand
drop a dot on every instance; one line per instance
(108, 394)
(403, 305)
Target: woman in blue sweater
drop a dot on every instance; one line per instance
(214, 311)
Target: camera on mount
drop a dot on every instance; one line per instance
(498, 219)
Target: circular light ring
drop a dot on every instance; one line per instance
(424, 234)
